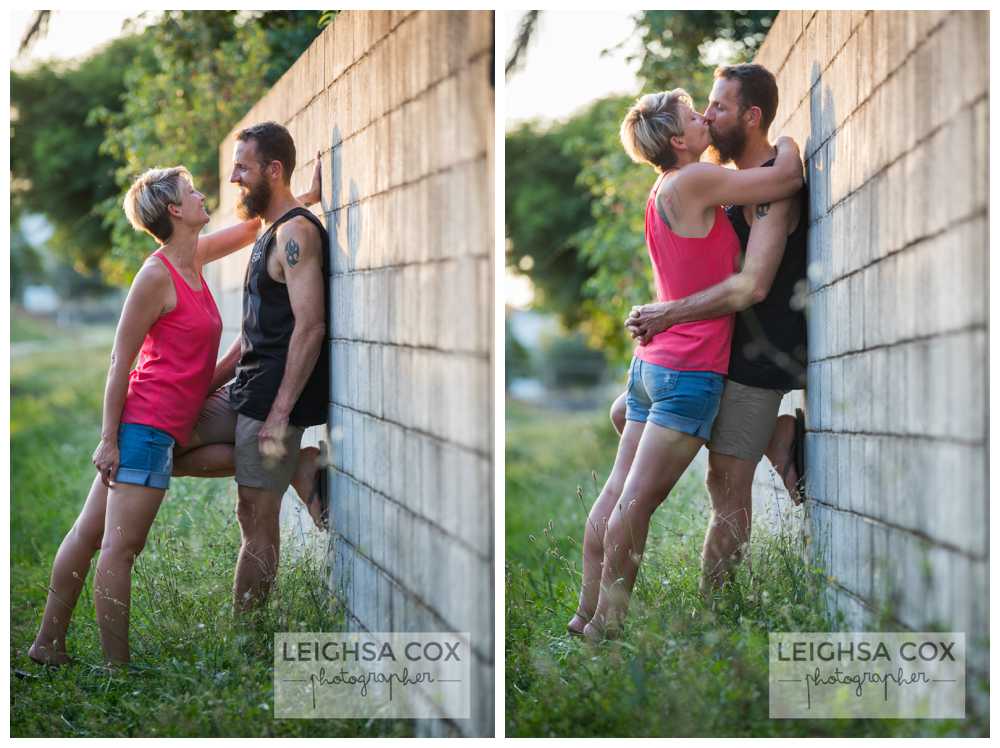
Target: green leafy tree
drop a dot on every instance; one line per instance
(547, 207)
(677, 48)
(81, 133)
(208, 70)
(57, 167)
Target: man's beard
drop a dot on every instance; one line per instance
(254, 201)
(726, 146)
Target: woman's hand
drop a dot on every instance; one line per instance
(315, 193)
(785, 143)
(105, 459)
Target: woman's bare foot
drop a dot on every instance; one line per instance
(45, 655)
(304, 483)
(595, 633)
(576, 625)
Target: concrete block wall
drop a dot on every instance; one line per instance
(400, 105)
(890, 109)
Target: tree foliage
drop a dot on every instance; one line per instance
(164, 97)
(57, 167)
(677, 48)
(576, 203)
(208, 70)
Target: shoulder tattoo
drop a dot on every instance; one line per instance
(761, 209)
(292, 252)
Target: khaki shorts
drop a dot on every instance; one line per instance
(219, 423)
(745, 422)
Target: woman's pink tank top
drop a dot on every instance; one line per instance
(176, 362)
(683, 266)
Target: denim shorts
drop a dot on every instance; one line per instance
(685, 401)
(146, 456)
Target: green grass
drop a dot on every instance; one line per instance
(24, 327)
(197, 671)
(681, 669)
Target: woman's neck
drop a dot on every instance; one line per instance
(181, 248)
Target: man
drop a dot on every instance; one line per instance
(769, 340)
(280, 362)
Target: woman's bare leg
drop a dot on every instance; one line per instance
(618, 413)
(661, 458)
(130, 513)
(219, 461)
(69, 572)
(597, 523)
(206, 461)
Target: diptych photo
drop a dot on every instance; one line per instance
(275, 473)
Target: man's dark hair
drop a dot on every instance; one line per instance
(274, 143)
(757, 88)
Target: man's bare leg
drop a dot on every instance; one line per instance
(730, 485)
(257, 565)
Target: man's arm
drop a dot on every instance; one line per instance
(299, 253)
(765, 248)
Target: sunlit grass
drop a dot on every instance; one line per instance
(197, 671)
(682, 668)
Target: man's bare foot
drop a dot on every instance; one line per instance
(781, 452)
(51, 656)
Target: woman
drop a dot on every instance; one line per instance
(171, 315)
(676, 380)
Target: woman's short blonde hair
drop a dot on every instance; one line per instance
(147, 199)
(649, 125)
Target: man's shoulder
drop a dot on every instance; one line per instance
(301, 229)
(297, 223)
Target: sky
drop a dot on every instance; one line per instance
(563, 68)
(71, 33)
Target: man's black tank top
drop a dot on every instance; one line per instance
(267, 329)
(769, 338)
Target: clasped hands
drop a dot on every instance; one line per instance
(646, 321)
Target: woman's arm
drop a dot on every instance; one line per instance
(146, 300)
(225, 367)
(225, 241)
(710, 185)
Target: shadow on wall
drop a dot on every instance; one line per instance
(335, 217)
(829, 323)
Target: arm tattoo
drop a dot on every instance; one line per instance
(292, 252)
(761, 210)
